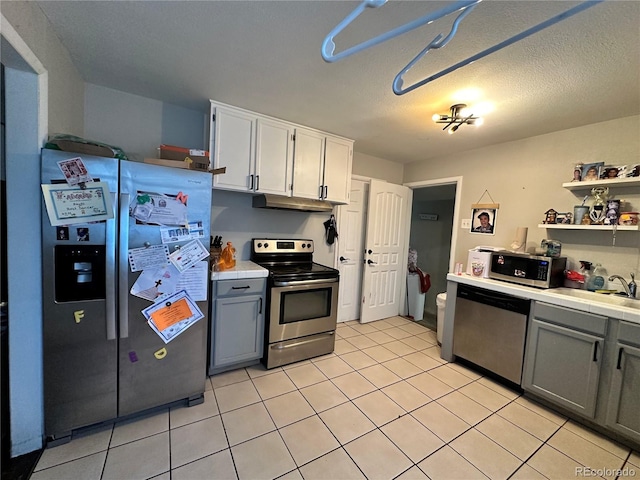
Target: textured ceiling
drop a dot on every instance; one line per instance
(265, 56)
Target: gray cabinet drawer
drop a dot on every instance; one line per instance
(567, 317)
(629, 333)
(244, 286)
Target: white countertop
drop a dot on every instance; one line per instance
(243, 269)
(556, 296)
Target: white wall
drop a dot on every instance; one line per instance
(375, 167)
(525, 178)
(66, 87)
(52, 100)
(139, 125)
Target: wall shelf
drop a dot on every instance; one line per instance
(616, 182)
(602, 228)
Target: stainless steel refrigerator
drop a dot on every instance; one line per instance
(102, 360)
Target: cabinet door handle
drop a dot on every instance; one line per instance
(595, 351)
(619, 365)
(260, 308)
(240, 288)
(321, 189)
(257, 182)
(326, 191)
(250, 182)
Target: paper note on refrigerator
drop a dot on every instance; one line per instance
(195, 281)
(152, 256)
(155, 282)
(187, 255)
(159, 209)
(67, 204)
(74, 171)
(172, 314)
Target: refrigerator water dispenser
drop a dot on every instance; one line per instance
(79, 272)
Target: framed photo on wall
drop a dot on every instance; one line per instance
(483, 220)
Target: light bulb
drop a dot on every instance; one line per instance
(436, 117)
(453, 129)
(479, 121)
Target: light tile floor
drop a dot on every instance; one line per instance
(384, 405)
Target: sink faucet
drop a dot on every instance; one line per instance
(629, 288)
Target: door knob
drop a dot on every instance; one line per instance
(342, 259)
(369, 252)
(371, 262)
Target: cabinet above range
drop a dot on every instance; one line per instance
(267, 155)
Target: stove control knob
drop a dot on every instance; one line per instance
(308, 245)
(266, 245)
(259, 245)
(303, 245)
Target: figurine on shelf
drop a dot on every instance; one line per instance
(586, 220)
(568, 218)
(551, 215)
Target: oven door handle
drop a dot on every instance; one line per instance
(305, 282)
(298, 344)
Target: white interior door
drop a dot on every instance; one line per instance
(385, 255)
(349, 254)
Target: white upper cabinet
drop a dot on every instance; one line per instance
(322, 166)
(338, 155)
(308, 164)
(274, 157)
(267, 155)
(233, 146)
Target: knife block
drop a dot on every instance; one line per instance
(214, 255)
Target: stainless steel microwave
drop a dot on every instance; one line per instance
(530, 270)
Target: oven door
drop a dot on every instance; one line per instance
(302, 308)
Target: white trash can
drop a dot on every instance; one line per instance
(416, 298)
(441, 303)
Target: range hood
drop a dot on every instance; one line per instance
(291, 203)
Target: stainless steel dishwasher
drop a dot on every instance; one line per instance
(490, 329)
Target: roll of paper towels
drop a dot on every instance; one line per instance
(520, 241)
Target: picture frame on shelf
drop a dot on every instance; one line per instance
(591, 171)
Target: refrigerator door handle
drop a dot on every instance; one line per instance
(110, 276)
(123, 266)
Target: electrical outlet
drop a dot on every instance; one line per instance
(466, 223)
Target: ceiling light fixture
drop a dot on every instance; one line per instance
(458, 115)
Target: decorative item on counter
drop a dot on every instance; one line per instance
(573, 279)
(613, 212)
(577, 172)
(586, 271)
(520, 241)
(551, 216)
(551, 248)
(633, 288)
(597, 279)
(597, 211)
(227, 257)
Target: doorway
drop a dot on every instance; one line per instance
(433, 215)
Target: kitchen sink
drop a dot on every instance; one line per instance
(610, 299)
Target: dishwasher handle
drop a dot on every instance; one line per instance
(495, 299)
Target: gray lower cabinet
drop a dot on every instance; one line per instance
(623, 413)
(564, 357)
(237, 329)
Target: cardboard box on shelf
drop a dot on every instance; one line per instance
(186, 165)
(172, 152)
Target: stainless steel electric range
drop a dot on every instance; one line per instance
(302, 301)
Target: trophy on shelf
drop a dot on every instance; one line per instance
(597, 211)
